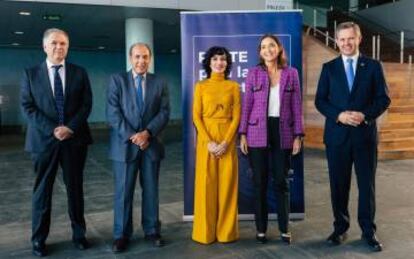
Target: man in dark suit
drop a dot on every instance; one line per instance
(137, 111)
(56, 99)
(352, 94)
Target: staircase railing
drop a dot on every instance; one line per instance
(379, 42)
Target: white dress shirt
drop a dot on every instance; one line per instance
(274, 101)
(354, 61)
(51, 73)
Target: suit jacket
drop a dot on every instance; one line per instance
(369, 95)
(38, 105)
(255, 107)
(125, 119)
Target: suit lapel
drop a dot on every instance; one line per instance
(282, 83)
(149, 89)
(47, 85)
(340, 71)
(132, 90)
(360, 70)
(69, 74)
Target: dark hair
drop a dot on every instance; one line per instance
(211, 52)
(281, 59)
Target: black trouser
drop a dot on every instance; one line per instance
(340, 160)
(72, 161)
(277, 160)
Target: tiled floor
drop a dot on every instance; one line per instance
(395, 213)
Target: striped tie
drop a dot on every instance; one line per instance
(59, 98)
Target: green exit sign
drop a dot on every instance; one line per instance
(52, 17)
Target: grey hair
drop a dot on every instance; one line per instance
(49, 31)
(347, 25)
(139, 44)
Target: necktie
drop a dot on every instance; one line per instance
(59, 98)
(140, 95)
(350, 73)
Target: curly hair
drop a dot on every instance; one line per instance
(281, 59)
(211, 52)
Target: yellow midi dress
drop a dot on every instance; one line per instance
(216, 116)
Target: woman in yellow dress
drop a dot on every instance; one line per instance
(216, 115)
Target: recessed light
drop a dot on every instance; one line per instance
(15, 44)
(18, 32)
(26, 13)
(173, 50)
(101, 47)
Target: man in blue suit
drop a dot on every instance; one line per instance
(56, 99)
(137, 111)
(352, 94)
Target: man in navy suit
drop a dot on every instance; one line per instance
(56, 99)
(137, 111)
(352, 94)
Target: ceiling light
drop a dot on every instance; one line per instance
(101, 47)
(15, 44)
(18, 32)
(26, 13)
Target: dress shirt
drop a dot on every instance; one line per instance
(51, 73)
(354, 61)
(143, 82)
(274, 101)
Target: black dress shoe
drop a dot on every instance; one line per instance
(81, 244)
(261, 239)
(336, 239)
(39, 249)
(120, 245)
(373, 243)
(286, 237)
(156, 240)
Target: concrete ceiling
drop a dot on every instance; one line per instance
(89, 26)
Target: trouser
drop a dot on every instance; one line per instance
(125, 174)
(72, 161)
(277, 161)
(216, 193)
(340, 160)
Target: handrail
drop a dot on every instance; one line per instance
(379, 33)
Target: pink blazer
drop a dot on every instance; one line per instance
(255, 106)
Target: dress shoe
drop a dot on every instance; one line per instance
(261, 238)
(120, 245)
(156, 240)
(81, 244)
(39, 249)
(286, 237)
(373, 243)
(336, 239)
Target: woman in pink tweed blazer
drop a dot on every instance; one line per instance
(271, 130)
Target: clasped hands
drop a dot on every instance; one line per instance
(217, 150)
(62, 133)
(351, 118)
(141, 139)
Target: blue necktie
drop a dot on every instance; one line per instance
(59, 98)
(350, 73)
(140, 94)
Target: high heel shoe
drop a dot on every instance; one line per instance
(286, 237)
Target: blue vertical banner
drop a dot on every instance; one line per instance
(239, 32)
